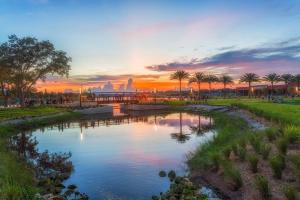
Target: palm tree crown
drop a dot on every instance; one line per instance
(179, 75)
(198, 78)
(211, 79)
(249, 78)
(272, 78)
(226, 79)
(287, 78)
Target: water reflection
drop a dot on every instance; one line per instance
(119, 158)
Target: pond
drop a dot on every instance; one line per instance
(120, 158)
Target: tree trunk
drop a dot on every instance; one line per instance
(209, 88)
(4, 94)
(180, 97)
(272, 88)
(224, 90)
(249, 90)
(199, 88)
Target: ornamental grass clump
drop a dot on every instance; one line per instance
(233, 176)
(271, 133)
(290, 193)
(242, 154)
(292, 134)
(282, 145)
(253, 162)
(216, 160)
(234, 148)
(263, 187)
(242, 143)
(255, 142)
(265, 151)
(226, 152)
(277, 164)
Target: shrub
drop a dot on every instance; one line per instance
(265, 151)
(162, 173)
(242, 154)
(271, 133)
(292, 133)
(289, 193)
(233, 175)
(282, 145)
(262, 185)
(227, 152)
(253, 161)
(277, 164)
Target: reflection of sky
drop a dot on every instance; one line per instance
(123, 160)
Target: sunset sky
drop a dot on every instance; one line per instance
(148, 39)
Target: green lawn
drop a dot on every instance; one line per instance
(13, 113)
(285, 113)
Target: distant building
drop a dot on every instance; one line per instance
(129, 87)
(108, 87)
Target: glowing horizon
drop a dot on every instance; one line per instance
(148, 40)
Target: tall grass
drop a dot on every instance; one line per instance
(277, 164)
(263, 187)
(230, 130)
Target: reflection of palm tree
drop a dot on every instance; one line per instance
(200, 129)
(180, 137)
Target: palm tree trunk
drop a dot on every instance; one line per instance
(180, 98)
(180, 122)
(272, 88)
(249, 90)
(224, 90)
(199, 88)
(209, 88)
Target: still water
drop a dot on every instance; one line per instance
(120, 158)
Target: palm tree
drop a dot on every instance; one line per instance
(297, 79)
(286, 78)
(179, 75)
(225, 79)
(211, 79)
(272, 78)
(198, 78)
(249, 78)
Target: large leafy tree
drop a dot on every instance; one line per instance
(210, 78)
(198, 78)
(249, 78)
(272, 78)
(297, 80)
(180, 75)
(31, 60)
(225, 79)
(287, 78)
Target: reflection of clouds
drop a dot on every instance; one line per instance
(188, 121)
(142, 157)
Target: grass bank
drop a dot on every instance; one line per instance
(253, 164)
(15, 113)
(16, 177)
(287, 113)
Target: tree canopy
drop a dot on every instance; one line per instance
(30, 60)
